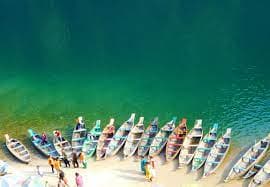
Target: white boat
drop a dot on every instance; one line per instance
(161, 138)
(252, 171)
(249, 159)
(204, 148)
(262, 177)
(78, 137)
(62, 144)
(17, 149)
(120, 136)
(134, 138)
(218, 153)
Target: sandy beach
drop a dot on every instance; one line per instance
(117, 172)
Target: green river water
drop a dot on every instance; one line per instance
(103, 59)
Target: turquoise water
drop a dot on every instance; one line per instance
(103, 59)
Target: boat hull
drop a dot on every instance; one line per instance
(78, 137)
(175, 141)
(190, 144)
(249, 159)
(18, 150)
(147, 138)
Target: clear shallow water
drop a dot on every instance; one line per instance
(105, 59)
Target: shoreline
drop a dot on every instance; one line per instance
(118, 172)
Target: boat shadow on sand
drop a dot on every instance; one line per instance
(232, 159)
(130, 175)
(129, 171)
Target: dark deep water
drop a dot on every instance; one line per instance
(102, 59)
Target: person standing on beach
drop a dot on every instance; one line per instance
(148, 175)
(51, 163)
(152, 167)
(78, 180)
(75, 160)
(62, 180)
(61, 183)
(82, 159)
(65, 158)
(143, 164)
(152, 161)
(57, 165)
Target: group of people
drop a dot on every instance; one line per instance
(80, 157)
(55, 164)
(148, 167)
(76, 159)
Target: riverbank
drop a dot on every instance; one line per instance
(116, 172)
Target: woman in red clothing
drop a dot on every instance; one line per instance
(58, 135)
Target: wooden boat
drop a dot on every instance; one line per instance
(161, 138)
(134, 138)
(262, 177)
(204, 148)
(105, 139)
(120, 136)
(218, 153)
(46, 149)
(148, 137)
(90, 143)
(190, 144)
(17, 149)
(78, 137)
(62, 144)
(176, 140)
(249, 159)
(252, 171)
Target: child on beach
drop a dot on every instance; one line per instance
(65, 158)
